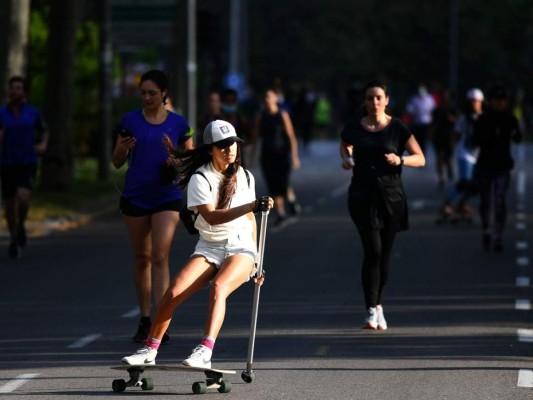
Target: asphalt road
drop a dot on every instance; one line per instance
(460, 320)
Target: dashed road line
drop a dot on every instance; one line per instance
(14, 384)
(132, 313)
(522, 245)
(522, 261)
(84, 341)
(525, 335)
(523, 281)
(523, 304)
(525, 378)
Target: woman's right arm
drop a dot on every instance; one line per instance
(346, 152)
(122, 149)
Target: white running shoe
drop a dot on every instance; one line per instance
(200, 357)
(371, 319)
(144, 356)
(382, 323)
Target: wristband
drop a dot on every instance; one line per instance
(401, 160)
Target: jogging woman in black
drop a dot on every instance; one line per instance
(373, 147)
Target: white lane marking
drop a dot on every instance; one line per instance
(418, 204)
(525, 378)
(521, 226)
(521, 245)
(132, 313)
(521, 216)
(522, 281)
(340, 191)
(14, 384)
(525, 335)
(523, 304)
(521, 183)
(84, 341)
(522, 261)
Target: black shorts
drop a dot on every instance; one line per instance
(13, 177)
(131, 210)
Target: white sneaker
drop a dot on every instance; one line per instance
(144, 356)
(200, 357)
(382, 323)
(371, 319)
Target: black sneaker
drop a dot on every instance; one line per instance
(14, 250)
(21, 235)
(143, 330)
(294, 208)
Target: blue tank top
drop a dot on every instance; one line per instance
(143, 186)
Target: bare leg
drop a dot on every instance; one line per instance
(163, 228)
(195, 275)
(140, 233)
(233, 273)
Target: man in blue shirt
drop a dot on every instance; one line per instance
(23, 137)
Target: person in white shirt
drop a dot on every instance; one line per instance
(223, 194)
(420, 108)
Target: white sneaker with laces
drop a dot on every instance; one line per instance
(144, 356)
(382, 323)
(200, 357)
(371, 319)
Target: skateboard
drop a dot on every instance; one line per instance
(214, 378)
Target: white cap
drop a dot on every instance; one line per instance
(475, 94)
(221, 134)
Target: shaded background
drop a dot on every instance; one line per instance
(84, 58)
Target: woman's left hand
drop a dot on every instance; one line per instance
(392, 159)
(259, 281)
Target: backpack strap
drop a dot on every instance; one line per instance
(210, 187)
(247, 177)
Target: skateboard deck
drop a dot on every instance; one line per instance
(214, 377)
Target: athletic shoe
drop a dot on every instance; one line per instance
(382, 323)
(294, 208)
(143, 330)
(371, 319)
(144, 356)
(13, 250)
(21, 235)
(200, 357)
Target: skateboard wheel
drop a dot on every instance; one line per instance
(248, 377)
(119, 385)
(199, 387)
(147, 383)
(225, 387)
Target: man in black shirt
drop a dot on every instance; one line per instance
(493, 133)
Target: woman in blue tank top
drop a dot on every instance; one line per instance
(150, 200)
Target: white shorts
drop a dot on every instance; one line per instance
(217, 252)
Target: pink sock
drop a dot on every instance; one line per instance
(153, 343)
(208, 341)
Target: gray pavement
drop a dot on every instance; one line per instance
(460, 319)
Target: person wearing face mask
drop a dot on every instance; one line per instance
(494, 131)
(230, 112)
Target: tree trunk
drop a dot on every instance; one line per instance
(58, 162)
(14, 24)
(106, 60)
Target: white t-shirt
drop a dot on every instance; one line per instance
(465, 127)
(202, 191)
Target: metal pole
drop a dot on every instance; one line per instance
(191, 63)
(106, 61)
(454, 46)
